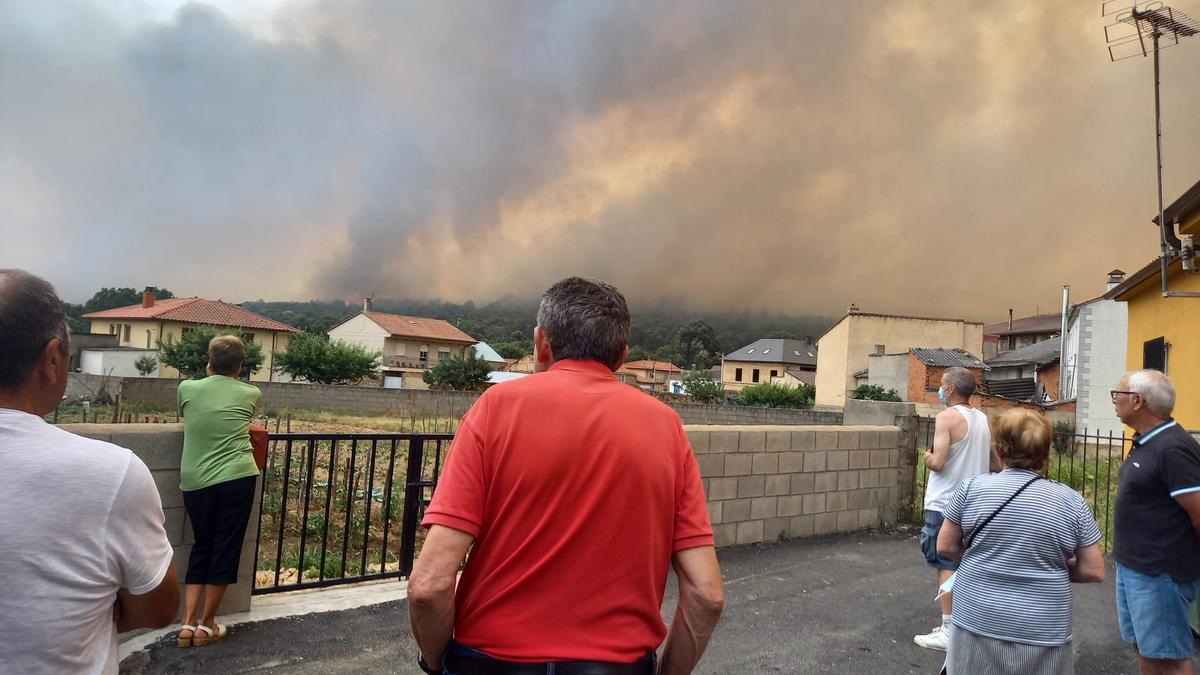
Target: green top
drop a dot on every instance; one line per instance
(216, 431)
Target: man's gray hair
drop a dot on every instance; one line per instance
(1156, 390)
(963, 380)
(585, 319)
(30, 316)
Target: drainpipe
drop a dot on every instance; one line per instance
(1062, 338)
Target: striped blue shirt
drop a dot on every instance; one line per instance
(1013, 583)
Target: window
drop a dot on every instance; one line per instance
(424, 353)
(754, 375)
(248, 338)
(880, 349)
(149, 333)
(1154, 354)
(125, 337)
(774, 373)
(112, 328)
(185, 330)
(767, 350)
(443, 354)
(737, 375)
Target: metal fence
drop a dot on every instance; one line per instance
(342, 508)
(1089, 462)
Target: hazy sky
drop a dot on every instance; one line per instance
(948, 158)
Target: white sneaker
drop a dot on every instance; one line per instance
(938, 639)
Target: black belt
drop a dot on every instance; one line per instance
(465, 665)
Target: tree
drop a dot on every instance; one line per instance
(513, 349)
(311, 357)
(697, 344)
(461, 373)
(145, 364)
(770, 395)
(872, 392)
(703, 388)
(638, 353)
(190, 355)
(111, 298)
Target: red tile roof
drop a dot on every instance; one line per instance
(195, 310)
(419, 327)
(657, 366)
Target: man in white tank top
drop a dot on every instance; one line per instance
(962, 449)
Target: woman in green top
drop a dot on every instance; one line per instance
(217, 475)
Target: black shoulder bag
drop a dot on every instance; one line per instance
(976, 531)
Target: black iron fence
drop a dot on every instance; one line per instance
(342, 508)
(1089, 462)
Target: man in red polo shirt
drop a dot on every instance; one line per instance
(577, 493)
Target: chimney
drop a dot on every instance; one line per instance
(1115, 278)
(148, 297)
(367, 304)
(853, 309)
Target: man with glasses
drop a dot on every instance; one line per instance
(1157, 526)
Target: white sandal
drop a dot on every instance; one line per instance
(186, 641)
(217, 632)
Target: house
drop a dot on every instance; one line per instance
(143, 326)
(1097, 335)
(916, 374)
(1016, 333)
(653, 375)
(1163, 328)
(484, 351)
(768, 360)
(525, 364)
(1029, 373)
(410, 345)
(845, 350)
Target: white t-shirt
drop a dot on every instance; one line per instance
(79, 518)
(969, 457)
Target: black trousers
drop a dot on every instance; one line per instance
(219, 515)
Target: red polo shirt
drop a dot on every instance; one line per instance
(577, 488)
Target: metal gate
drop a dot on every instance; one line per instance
(343, 508)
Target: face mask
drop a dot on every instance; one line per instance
(943, 397)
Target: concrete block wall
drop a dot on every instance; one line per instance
(765, 483)
(444, 404)
(160, 446)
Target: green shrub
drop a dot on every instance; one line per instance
(1062, 436)
(703, 388)
(871, 392)
(770, 395)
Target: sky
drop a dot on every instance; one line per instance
(947, 159)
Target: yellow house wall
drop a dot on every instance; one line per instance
(831, 365)
(138, 332)
(1178, 321)
(729, 372)
(854, 339)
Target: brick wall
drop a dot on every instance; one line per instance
(764, 483)
(445, 404)
(160, 447)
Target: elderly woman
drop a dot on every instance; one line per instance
(217, 475)
(1022, 540)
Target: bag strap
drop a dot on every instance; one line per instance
(975, 533)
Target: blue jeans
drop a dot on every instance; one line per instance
(462, 650)
(929, 537)
(1153, 613)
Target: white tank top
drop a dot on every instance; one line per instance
(969, 457)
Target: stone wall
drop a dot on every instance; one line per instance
(160, 447)
(765, 483)
(419, 404)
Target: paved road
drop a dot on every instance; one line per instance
(841, 604)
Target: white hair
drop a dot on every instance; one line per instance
(1155, 389)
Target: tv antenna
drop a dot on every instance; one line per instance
(1145, 29)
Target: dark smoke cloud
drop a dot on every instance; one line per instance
(935, 158)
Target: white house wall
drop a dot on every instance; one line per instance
(890, 372)
(115, 363)
(1102, 328)
(361, 331)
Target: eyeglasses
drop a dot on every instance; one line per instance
(1114, 393)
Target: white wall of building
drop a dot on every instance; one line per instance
(114, 362)
(1098, 335)
(889, 371)
(361, 331)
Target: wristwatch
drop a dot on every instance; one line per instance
(424, 666)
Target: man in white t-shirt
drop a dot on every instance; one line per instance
(962, 449)
(83, 551)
